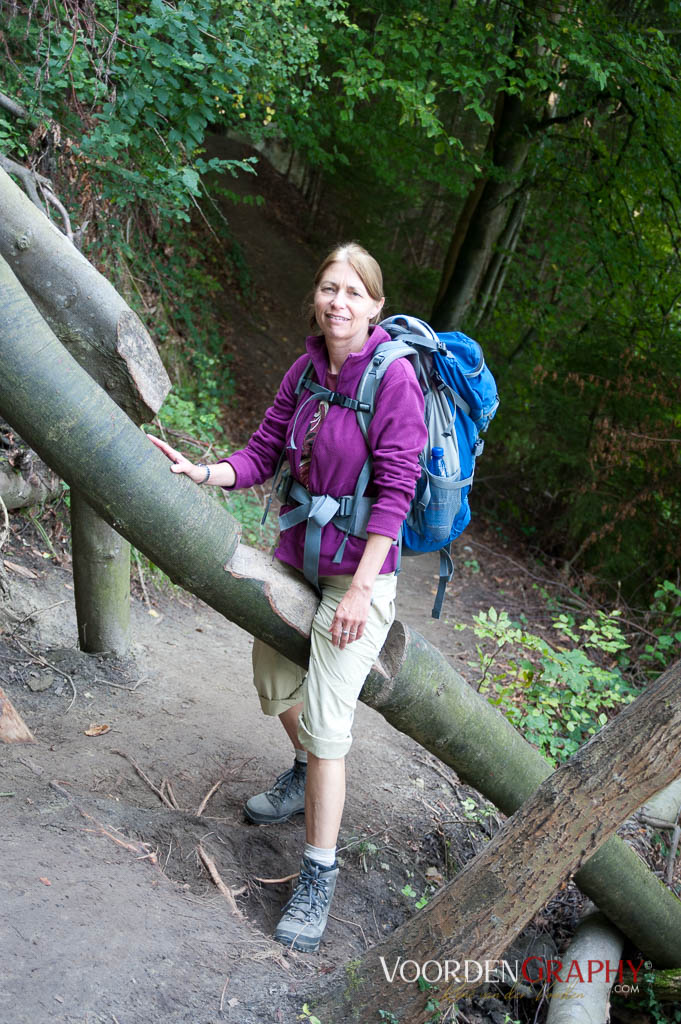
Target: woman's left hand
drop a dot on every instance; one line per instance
(351, 616)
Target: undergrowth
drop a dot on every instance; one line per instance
(556, 692)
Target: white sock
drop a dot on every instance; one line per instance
(301, 755)
(327, 858)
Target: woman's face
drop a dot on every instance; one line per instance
(343, 307)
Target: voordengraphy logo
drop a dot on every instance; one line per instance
(534, 969)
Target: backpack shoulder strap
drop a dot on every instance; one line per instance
(305, 375)
(384, 356)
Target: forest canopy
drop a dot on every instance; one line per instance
(513, 165)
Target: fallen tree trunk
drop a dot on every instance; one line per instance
(56, 407)
(495, 895)
(83, 309)
(662, 986)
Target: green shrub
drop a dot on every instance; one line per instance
(556, 695)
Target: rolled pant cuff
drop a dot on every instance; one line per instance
(277, 707)
(320, 746)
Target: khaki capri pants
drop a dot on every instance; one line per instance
(334, 678)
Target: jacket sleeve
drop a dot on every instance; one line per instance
(397, 435)
(256, 463)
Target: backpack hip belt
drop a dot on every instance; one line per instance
(349, 513)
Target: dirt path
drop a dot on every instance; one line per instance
(96, 930)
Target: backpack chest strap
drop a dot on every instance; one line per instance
(335, 397)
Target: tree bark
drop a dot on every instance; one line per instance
(101, 577)
(83, 435)
(13, 729)
(496, 894)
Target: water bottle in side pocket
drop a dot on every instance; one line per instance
(445, 498)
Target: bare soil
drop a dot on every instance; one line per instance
(108, 911)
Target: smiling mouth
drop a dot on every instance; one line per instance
(340, 319)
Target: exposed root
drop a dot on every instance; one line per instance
(202, 806)
(145, 778)
(212, 870)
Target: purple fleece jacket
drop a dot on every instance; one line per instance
(397, 435)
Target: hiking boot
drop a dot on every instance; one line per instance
(282, 801)
(304, 918)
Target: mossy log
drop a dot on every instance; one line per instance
(90, 442)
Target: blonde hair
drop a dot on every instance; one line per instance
(364, 265)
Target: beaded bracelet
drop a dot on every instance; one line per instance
(207, 476)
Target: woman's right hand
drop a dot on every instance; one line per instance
(181, 464)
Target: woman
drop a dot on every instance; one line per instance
(355, 575)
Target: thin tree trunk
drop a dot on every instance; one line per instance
(483, 218)
(101, 576)
(498, 268)
(495, 895)
(89, 441)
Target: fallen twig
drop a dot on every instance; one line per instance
(145, 778)
(32, 615)
(204, 802)
(436, 768)
(119, 686)
(275, 881)
(212, 870)
(141, 578)
(165, 786)
(353, 924)
(222, 997)
(134, 846)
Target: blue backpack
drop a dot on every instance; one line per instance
(460, 400)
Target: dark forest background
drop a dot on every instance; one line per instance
(513, 165)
